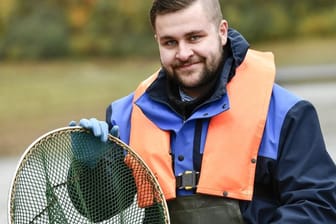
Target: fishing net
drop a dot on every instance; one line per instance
(70, 176)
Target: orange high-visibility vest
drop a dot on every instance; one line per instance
(233, 138)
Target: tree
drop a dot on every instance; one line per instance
(35, 32)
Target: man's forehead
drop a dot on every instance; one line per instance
(192, 19)
(181, 30)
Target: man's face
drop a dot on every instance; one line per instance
(190, 46)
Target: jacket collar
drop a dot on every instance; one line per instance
(235, 51)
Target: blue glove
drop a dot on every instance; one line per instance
(115, 131)
(99, 128)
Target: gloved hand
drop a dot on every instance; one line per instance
(99, 128)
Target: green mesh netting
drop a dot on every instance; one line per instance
(69, 176)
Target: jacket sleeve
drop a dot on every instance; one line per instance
(119, 113)
(305, 174)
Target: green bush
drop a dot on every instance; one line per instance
(1, 27)
(318, 24)
(44, 28)
(39, 34)
(115, 30)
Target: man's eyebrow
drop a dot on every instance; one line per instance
(167, 37)
(194, 32)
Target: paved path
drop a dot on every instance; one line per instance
(7, 169)
(300, 74)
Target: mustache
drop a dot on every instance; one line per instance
(179, 63)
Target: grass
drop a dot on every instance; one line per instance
(37, 97)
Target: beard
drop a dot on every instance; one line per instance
(206, 76)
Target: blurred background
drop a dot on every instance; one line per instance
(62, 60)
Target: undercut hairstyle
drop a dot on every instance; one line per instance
(161, 7)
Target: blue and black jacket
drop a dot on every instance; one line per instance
(295, 180)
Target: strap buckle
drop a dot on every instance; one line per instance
(187, 180)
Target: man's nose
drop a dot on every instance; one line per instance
(184, 52)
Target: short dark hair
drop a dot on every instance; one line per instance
(161, 7)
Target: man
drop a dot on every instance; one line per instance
(213, 115)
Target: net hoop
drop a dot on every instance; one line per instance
(24, 159)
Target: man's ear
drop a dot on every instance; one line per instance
(223, 31)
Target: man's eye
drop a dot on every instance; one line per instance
(170, 43)
(194, 38)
